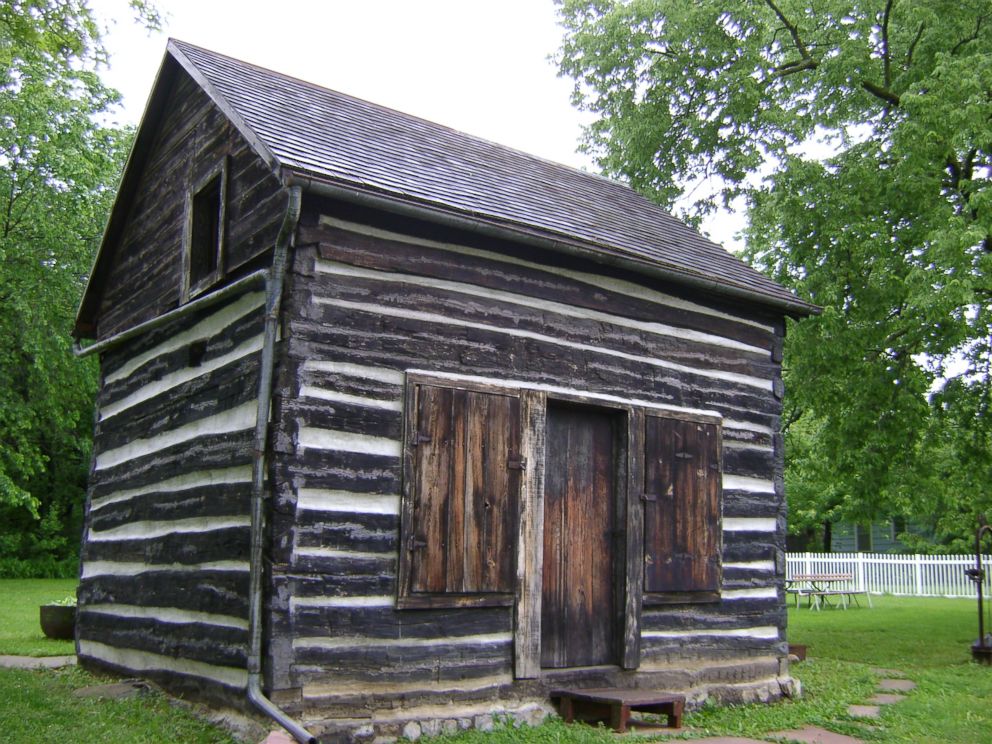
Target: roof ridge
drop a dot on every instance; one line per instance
(317, 131)
(405, 114)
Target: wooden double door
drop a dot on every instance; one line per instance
(579, 606)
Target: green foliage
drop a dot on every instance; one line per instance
(43, 567)
(871, 124)
(58, 169)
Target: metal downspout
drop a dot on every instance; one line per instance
(273, 299)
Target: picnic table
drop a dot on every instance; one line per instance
(819, 589)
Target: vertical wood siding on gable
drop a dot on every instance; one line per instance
(363, 307)
(164, 577)
(145, 278)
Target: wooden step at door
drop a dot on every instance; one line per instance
(614, 705)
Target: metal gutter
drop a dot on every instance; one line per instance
(352, 194)
(274, 285)
(257, 277)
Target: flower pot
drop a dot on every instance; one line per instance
(59, 621)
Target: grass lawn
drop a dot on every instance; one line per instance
(927, 640)
(20, 628)
(40, 707)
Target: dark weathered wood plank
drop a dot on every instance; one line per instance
(378, 622)
(423, 655)
(204, 642)
(230, 544)
(530, 542)
(343, 471)
(205, 501)
(220, 592)
(538, 317)
(240, 331)
(399, 343)
(200, 453)
(577, 618)
(634, 542)
(682, 505)
(352, 247)
(349, 417)
(426, 673)
(432, 472)
(210, 395)
(369, 533)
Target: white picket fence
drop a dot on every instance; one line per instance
(882, 573)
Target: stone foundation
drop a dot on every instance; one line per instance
(387, 725)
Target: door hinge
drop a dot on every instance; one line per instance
(420, 438)
(649, 497)
(414, 544)
(516, 463)
(684, 455)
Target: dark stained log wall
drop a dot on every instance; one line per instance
(164, 576)
(164, 566)
(371, 297)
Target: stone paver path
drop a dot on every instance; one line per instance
(36, 662)
(815, 735)
(886, 698)
(863, 711)
(893, 682)
(278, 737)
(727, 740)
(896, 685)
(887, 672)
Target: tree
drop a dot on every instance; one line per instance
(58, 168)
(872, 125)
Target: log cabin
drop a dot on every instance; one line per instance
(399, 429)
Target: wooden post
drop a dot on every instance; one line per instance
(634, 590)
(530, 541)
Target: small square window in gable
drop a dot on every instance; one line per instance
(203, 253)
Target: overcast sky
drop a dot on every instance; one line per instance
(480, 66)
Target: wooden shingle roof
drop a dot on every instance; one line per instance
(303, 129)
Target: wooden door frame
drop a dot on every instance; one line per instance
(628, 558)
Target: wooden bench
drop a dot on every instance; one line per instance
(614, 705)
